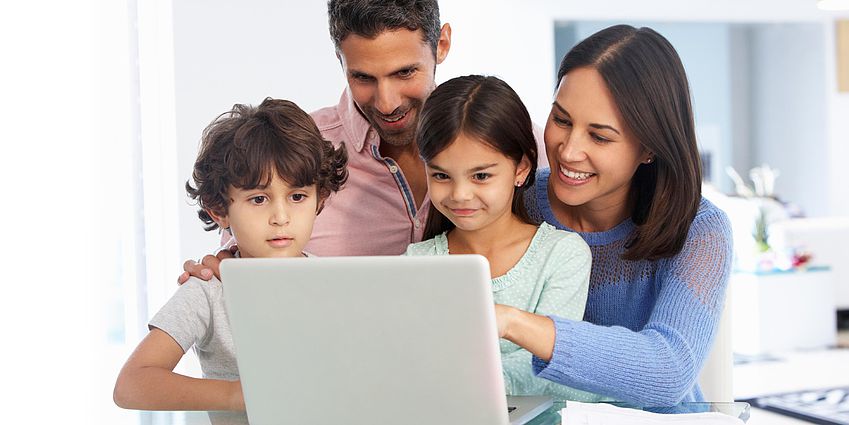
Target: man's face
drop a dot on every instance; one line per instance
(389, 78)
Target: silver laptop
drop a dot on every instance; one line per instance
(369, 340)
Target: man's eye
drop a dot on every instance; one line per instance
(406, 73)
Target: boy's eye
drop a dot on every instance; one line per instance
(481, 176)
(258, 200)
(298, 197)
(439, 176)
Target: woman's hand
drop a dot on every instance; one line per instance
(207, 268)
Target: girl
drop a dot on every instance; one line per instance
(264, 174)
(475, 137)
(625, 174)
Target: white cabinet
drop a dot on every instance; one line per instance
(780, 311)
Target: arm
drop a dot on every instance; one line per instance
(565, 283)
(147, 381)
(658, 364)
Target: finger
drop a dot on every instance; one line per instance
(188, 265)
(181, 279)
(226, 253)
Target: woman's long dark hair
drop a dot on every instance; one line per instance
(649, 86)
(487, 109)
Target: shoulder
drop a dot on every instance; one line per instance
(562, 243)
(330, 123)
(429, 247)
(710, 219)
(562, 238)
(195, 288)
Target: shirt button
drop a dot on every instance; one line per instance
(417, 223)
(393, 169)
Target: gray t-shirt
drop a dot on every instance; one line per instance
(196, 316)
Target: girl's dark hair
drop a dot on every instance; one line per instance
(487, 109)
(649, 86)
(245, 146)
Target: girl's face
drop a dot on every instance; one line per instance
(472, 183)
(274, 221)
(592, 154)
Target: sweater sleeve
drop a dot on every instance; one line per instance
(659, 364)
(566, 274)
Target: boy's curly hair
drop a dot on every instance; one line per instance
(245, 146)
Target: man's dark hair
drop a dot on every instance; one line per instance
(247, 145)
(369, 18)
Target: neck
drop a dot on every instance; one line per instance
(594, 216)
(410, 150)
(492, 238)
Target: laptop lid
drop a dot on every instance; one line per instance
(366, 340)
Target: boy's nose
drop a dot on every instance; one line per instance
(280, 216)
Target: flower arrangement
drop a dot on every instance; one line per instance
(769, 209)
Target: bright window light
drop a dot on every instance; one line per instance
(833, 4)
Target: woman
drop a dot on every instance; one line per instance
(625, 175)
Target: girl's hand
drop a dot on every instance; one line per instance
(503, 315)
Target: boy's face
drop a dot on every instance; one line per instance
(275, 221)
(390, 76)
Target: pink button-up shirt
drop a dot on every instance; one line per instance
(374, 213)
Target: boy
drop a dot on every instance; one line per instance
(264, 174)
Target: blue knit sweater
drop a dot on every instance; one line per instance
(648, 325)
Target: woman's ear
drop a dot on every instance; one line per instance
(522, 171)
(220, 220)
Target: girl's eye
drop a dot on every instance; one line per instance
(258, 200)
(298, 197)
(439, 176)
(481, 176)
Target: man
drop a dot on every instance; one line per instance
(388, 50)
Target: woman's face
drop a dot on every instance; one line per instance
(593, 155)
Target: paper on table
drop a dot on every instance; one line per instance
(577, 413)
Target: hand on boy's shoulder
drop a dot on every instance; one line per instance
(207, 268)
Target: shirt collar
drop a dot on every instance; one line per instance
(358, 128)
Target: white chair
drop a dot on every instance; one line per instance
(717, 378)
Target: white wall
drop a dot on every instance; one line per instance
(231, 52)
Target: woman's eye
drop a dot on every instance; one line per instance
(481, 176)
(562, 122)
(258, 200)
(439, 176)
